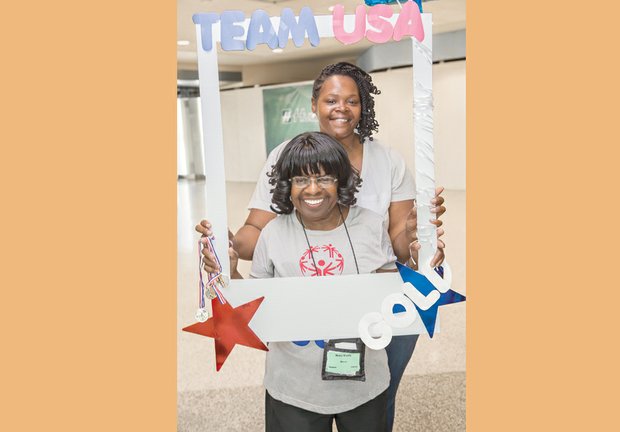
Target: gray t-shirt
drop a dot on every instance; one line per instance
(292, 372)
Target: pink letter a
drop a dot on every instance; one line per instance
(409, 22)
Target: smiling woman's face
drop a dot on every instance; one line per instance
(316, 204)
(338, 107)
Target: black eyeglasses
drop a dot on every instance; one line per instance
(304, 181)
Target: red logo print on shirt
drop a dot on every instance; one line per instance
(329, 262)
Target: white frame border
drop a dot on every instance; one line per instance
(308, 298)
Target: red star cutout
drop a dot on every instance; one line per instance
(229, 327)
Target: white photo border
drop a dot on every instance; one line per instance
(312, 308)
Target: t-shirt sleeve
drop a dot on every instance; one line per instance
(262, 266)
(403, 184)
(261, 198)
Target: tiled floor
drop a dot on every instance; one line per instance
(432, 393)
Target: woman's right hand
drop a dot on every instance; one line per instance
(209, 263)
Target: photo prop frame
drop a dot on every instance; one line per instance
(307, 308)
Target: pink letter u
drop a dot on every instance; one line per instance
(338, 25)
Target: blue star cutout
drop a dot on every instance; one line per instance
(422, 284)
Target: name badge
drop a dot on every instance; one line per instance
(343, 359)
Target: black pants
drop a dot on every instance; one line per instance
(369, 417)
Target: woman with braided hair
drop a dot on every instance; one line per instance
(367, 123)
(342, 99)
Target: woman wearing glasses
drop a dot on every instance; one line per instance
(320, 233)
(342, 99)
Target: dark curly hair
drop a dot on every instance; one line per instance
(306, 154)
(368, 124)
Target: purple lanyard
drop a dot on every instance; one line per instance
(213, 278)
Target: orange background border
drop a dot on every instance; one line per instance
(540, 257)
(89, 239)
(88, 234)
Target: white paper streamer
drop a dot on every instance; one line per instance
(423, 139)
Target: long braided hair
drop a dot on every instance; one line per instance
(368, 124)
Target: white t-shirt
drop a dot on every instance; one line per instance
(292, 372)
(385, 179)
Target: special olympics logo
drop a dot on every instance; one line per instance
(329, 262)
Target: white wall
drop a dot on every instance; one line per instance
(449, 130)
(298, 70)
(394, 108)
(244, 134)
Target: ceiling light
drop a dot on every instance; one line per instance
(278, 50)
(183, 43)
